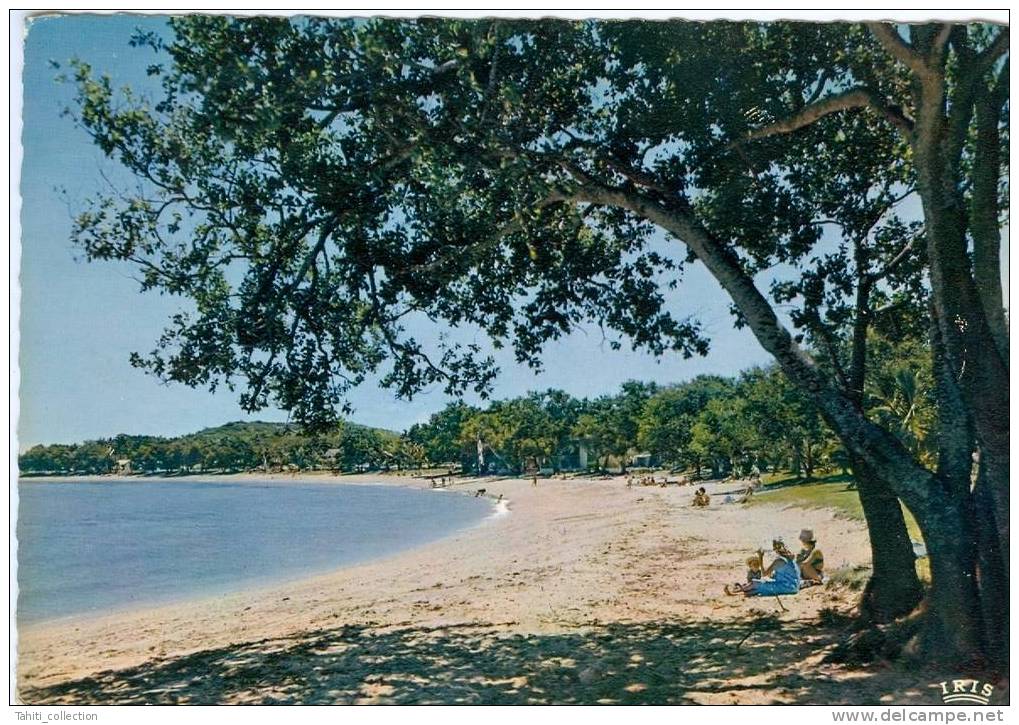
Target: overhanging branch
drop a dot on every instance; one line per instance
(881, 449)
(856, 98)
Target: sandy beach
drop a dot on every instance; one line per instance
(583, 591)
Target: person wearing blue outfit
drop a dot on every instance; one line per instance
(781, 577)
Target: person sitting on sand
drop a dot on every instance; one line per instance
(781, 577)
(810, 559)
(701, 498)
(755, 570)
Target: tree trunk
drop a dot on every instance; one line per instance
(894, 589)
(994, 475)
(953, 629)
(992, 579)
(975, 358)
(985, 214)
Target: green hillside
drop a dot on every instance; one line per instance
(235, 446)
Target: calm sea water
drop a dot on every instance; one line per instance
(97, 547)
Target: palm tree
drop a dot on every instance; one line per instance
(904, 403)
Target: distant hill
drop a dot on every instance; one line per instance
(238, 445)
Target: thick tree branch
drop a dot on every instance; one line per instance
(898, 48)
(852, 99)
(877, 446)
(989, 55)
(940, 42)
(955, 429)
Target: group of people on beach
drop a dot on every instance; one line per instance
(632, 481)
(787, 573)
(701, 498)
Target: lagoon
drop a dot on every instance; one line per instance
(88, 547)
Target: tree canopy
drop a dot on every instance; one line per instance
(311, 185)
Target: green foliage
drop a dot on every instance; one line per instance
(440, 438)
(312, 183)
(725, 424)
(524, 432)
(609, 425)
(232, 447)
(901, 395)
(666, 424)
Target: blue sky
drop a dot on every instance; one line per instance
(80, 321)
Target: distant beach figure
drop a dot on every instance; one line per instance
(534, 481)
(810, 559)
(480, 492)
(701, 498)
(781, 577)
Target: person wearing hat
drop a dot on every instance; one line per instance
(810, 559)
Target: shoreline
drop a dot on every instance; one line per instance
(578, 557)
(381, 479)
(254, 587)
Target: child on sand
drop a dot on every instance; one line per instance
(701, 498)
(782, 577)
(755, 570)
(810, 559)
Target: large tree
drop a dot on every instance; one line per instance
(667, 419)
(440, 436)
(311, 186)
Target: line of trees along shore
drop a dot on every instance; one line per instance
(312, 184)
(709, 426)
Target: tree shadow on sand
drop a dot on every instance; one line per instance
(641, 663)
